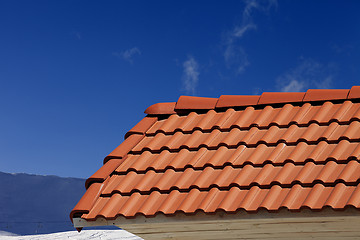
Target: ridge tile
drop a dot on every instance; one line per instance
(161, 108)
(195, 103)
(354, 92)
(281, 97)
(237, 101)
(325, 94)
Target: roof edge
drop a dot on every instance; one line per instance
(122, 150)
(142, 126)
(87, 201)
(108, 168)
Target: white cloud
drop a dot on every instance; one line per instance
(293, 86)
(238, 32)
(234, 54)
(247, 20)
(190, 75)
(307, 74)
(128, 54)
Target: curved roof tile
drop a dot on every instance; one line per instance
(161, 108)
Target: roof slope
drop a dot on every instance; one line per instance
(277, 150)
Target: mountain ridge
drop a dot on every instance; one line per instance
(36, 204)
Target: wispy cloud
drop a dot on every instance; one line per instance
(190, 76)
(294, 85)
(234, 54)
(129, 54)
(307, 74)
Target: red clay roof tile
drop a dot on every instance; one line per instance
(236, 101)
(88, 200)
(281, 97)
(104, 172)
(195, 103)
(124, 148)
(354, 92)
(325, 94)
(161, 108)
(267, 154)
(142, 126)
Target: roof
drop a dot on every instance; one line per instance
(232, 153)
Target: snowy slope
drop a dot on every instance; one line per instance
(33, 204)
(74, 235)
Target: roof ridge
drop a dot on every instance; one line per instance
(186, 103)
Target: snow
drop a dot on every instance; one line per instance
(74, 235)
(4, 233)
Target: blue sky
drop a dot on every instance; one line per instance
(77, 75)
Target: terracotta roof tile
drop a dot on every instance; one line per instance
(124, 148)
(88, 200)
(104, 172)
(279, 150)
(195, 103)
(281, 97)
(354, 92)
(142, 126)
(161, 108)
(325, 94)
(236, 101)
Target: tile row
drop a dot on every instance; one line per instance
(251, 137)
(244, 119)
(286, 175)
(235, 199)
(257, 156)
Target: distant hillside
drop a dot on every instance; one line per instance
(32, 204)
